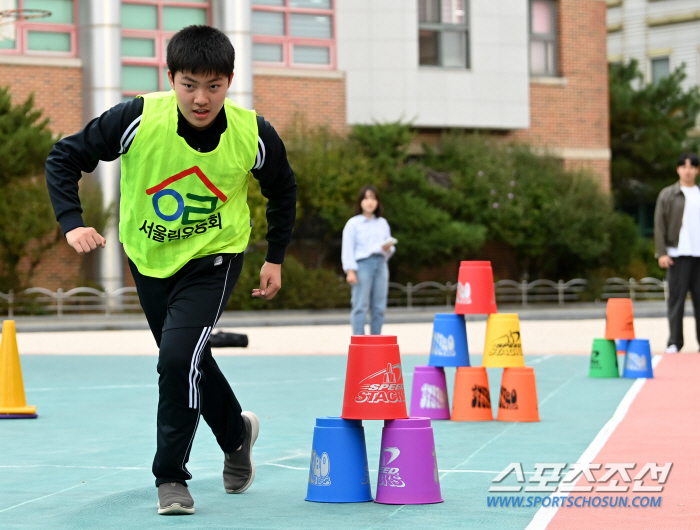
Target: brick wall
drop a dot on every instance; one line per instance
(312, 101)
(57, 90)
(573, 112)
(601, 169)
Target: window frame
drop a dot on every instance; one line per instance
(441, 27)
(159, 35)
(288, 42)
(651, 60)
(23, 27)
(552, 38)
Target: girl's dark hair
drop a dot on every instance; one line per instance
(688, 156)
(200, 49)
(358, 205)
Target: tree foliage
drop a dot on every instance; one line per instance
(445, 204)
(557, 223)
(649, 126)
(26, 217)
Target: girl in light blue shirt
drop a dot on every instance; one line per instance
(367, 247)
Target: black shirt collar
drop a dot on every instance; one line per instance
(204, 141)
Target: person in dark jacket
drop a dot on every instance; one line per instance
(677, 242)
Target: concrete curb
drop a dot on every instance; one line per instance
(395, 315)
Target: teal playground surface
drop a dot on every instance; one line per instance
(85, 462)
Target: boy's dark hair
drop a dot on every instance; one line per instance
(200, 50)
(358, 205)
(694, 161)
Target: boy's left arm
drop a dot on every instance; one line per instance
(277, 184)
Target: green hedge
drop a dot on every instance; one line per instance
(301, 288)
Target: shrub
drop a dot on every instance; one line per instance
(301, 288)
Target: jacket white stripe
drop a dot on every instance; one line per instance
(218, 312)
(198, 374)
(260, 157)
(129, 140)
(129, 134)
(193, 365)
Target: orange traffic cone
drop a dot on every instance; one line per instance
(472, 399)
(619, 319)
(518, 400)
(13, 404)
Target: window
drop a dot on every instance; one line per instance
(293, 33)
(55, 34)
(543, 38)
(443, 33)
(660, 68)
(147, 25)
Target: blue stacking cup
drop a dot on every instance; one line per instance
(339, 470)
(449, 347)
(638, 359)
(621, 344)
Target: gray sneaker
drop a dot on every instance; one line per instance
(174, 499)
(239, 468)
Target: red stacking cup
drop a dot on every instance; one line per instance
(374, 385)
(475, 291)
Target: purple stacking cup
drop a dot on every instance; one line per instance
(429, 394)
(408, 470)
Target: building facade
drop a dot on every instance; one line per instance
(660, 34)
(529, 70)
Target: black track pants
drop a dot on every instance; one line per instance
(181, 312)
(683, 277)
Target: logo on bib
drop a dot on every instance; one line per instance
(206, 204)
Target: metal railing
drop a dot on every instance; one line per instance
(37, 300)
(537, 291)
(644, 289)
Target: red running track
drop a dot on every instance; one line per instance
(662, 425)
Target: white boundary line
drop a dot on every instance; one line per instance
(69, 488)
(545, 514)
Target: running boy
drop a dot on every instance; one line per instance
(184, 223)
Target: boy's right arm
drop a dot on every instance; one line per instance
(104, 138)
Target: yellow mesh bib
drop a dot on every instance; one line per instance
(178, 204)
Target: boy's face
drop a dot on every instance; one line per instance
(687, 173)
(200, 97)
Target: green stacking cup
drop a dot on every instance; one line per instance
(604, 359)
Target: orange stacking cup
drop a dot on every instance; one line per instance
(472, 399)
(374, 385)
(619, 319)
(518, 400)
(475, 291)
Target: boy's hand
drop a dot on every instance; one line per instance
(84, 239)
(270, 281)
(351, 278)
